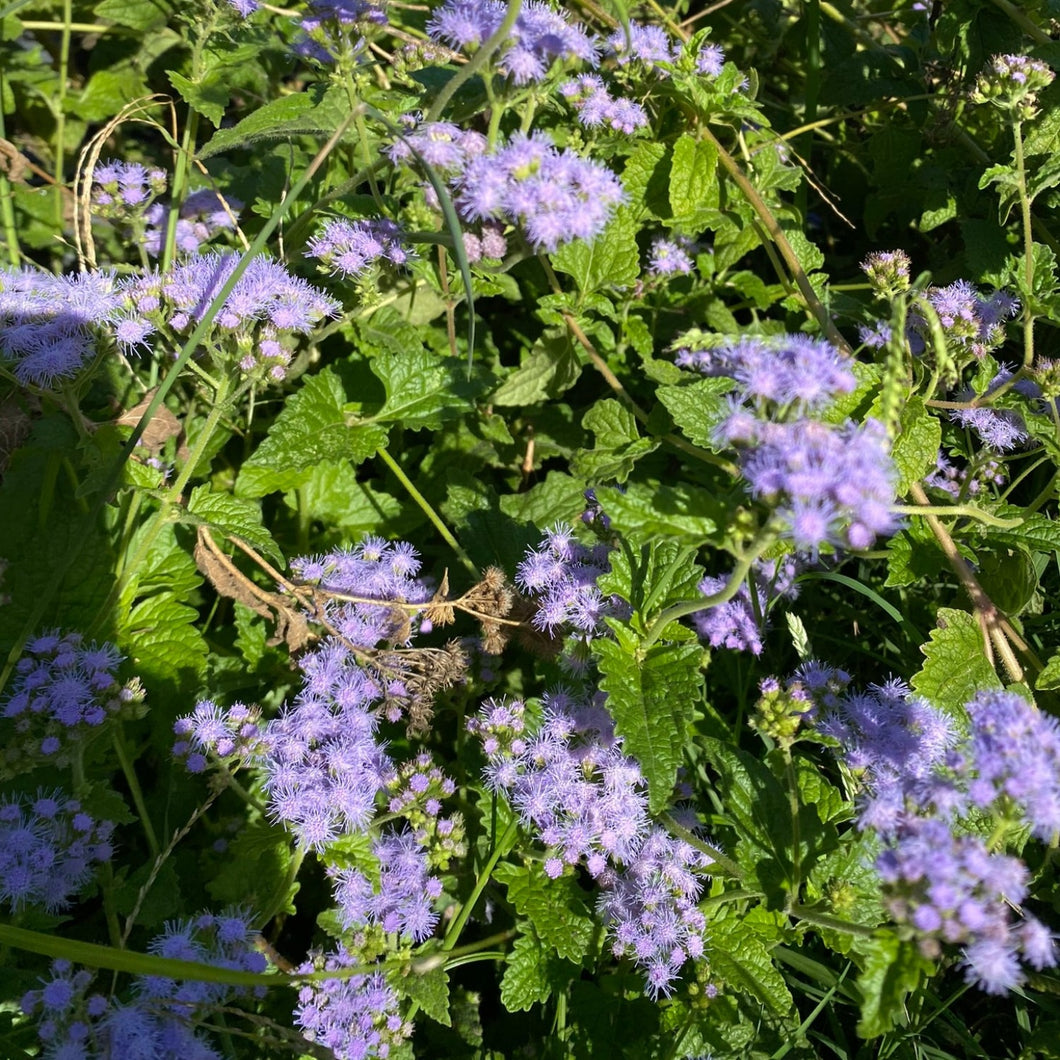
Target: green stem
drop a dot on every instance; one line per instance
(137, 793)
(483, 878)
(953, 510)
(476, 62)
(7, 204)
(1028, 245)
(796, 830)
(1034, 31)
(428, 510)
(723, 595)
(812, 19)
(177, 195)
(60, 112)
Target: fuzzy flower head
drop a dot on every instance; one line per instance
(1012, 82)
(596, 107)
(352, 248)
(334, 31)
(1001, 429)
(671, 257)
(65, 689)
(52, 326)
(49, 849)
(643, 43)
(555, 196)
(539, 37)
(356, 1017)
(202, 215)
(123, 190)
(971, 323)
(439, 144)
(258, 322)
(966, 481)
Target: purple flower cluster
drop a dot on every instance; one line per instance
(355, 1016)
(710, 60)
(651, 907)
(351, 248)
(962, 482)
(210, 729)
(49, 848)
(1000, 429)
(595, 106)
(440, 144)
(415, 791)
(1012, 82)
(647, 44)
(671, 256)
(561, 574)
(201, 216)
(738, 624)
(334, 29)
(402, 901)
(555, 195)
(922, 780)
(63, 688)
(256, 324)
(125, 189)
(50, 325)
(575, 789)
(159, 1022)
(539, 37)
(787, 371)
(488, 243)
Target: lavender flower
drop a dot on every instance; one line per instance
(960, 482)
(50, 326)
(1012, 82)
(439, 144)
(201, 216)
(554, 194)
(402, 901)
(1001, 429)
(738, 624)
(335, 29)
(539, 37)
(971, 323)
(595, 106)
(827, 484)
(670, 256)
(648, 44)
(351, 248)
(355, 1017)
(888, 272)
(64, 689)
(790, 371)
(710, 60)
(48, 849)
(125, 189)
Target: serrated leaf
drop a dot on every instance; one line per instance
(652, 695)
(738, 956)
(314, 112)
(137, 14)
(161, 639)
(916, 447)
(332, 494)
(1049, 678)
(555, 908)
(312, 427)
(559, 499)
(551, 367)
(209, 95)
(893, 969)
(681, 512)
(255, 870)
(956, 666)
(618, 444)
(235, 516)
(422, 389)
(610, 260)
(1039, 533)
(646, 177)
(651, 577)
(697, 408)
(1009, 578)
(693, 181)
(430, 990)
(526, 981)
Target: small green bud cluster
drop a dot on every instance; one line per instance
(1012, 82)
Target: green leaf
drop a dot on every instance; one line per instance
(682, 513)
(1049, 678)
(235, 516)
(1008, 577)
(209, 95)
(559, 499)
(527, 980)
(255, 870)
(618, 443)
(955, 667)
(646, 176)
(313, 112)
(551, 367)
(1040, 533)
(697, 408)
(694, 193)
(137, 14)
(651, 578)
(423, 390)
(893, 970)
(652, 695)
(916, 447)
(430, 990)
(160, 637)
(610, 260)
(738, 956)
(556, 908)
(312, 427)
(332, 494)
